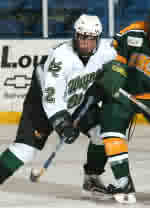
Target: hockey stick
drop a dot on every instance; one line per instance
(36, 174)
(134, 100)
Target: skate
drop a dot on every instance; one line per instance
(93, 187)
(124, 194)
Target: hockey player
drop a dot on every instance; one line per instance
(55, 94)
(130, 71)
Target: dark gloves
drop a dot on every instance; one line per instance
(63, 125)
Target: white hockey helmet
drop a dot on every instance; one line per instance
(88, 25)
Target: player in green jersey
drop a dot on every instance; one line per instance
(131, 72)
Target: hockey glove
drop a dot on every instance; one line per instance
(63, 125)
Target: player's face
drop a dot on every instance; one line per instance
(86, 44)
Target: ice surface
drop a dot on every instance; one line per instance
(60, 186)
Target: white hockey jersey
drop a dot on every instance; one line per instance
(66, 78)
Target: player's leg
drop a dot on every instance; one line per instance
(96, 158)
(116, 118)
(28, 142)
(33, 131)
(93, 185)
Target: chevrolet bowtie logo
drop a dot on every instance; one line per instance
(18, 81)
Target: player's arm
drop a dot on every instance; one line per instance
(54, 88)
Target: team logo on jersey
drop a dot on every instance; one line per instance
(55, 67)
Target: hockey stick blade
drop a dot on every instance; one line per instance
(35, 174)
